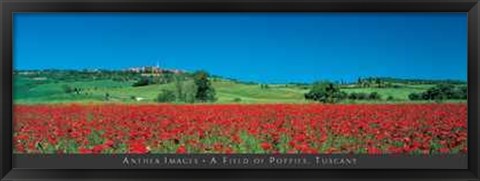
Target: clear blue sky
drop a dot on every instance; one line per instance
(263, 47)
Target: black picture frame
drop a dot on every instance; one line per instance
(8, 7)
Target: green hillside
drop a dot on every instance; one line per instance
(32, 91)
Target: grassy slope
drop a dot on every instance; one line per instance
(397, 93)
(29, 91)
(228, 91)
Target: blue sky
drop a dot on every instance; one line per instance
(263, 47)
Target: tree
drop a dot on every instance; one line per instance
(374, 96)
(107, 96)
(390, 98)
(362, 96)
(205, 91)
(189, 91)
(415, 96)
(67, 89)
(264, 86)
(142, 82)
(325, 92)
(441, 92)
(461, 93)
(352, 96)
(446, 91)
(179, 94)
(166, 96)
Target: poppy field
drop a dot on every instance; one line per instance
(241, 128)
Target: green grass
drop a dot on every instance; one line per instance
(30, 91)
(397, 93)
(227, 92)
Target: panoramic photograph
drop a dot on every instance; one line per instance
(240, 83)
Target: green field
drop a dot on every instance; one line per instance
(28, 90)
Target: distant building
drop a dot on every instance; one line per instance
(152, 70)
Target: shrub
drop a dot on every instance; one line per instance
(390, 98)
(364, 96)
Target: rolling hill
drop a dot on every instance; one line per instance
(33, 91)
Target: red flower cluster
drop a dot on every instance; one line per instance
(275, 128)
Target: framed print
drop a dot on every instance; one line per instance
(239, 90)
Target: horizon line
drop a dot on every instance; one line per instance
(261, 82)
